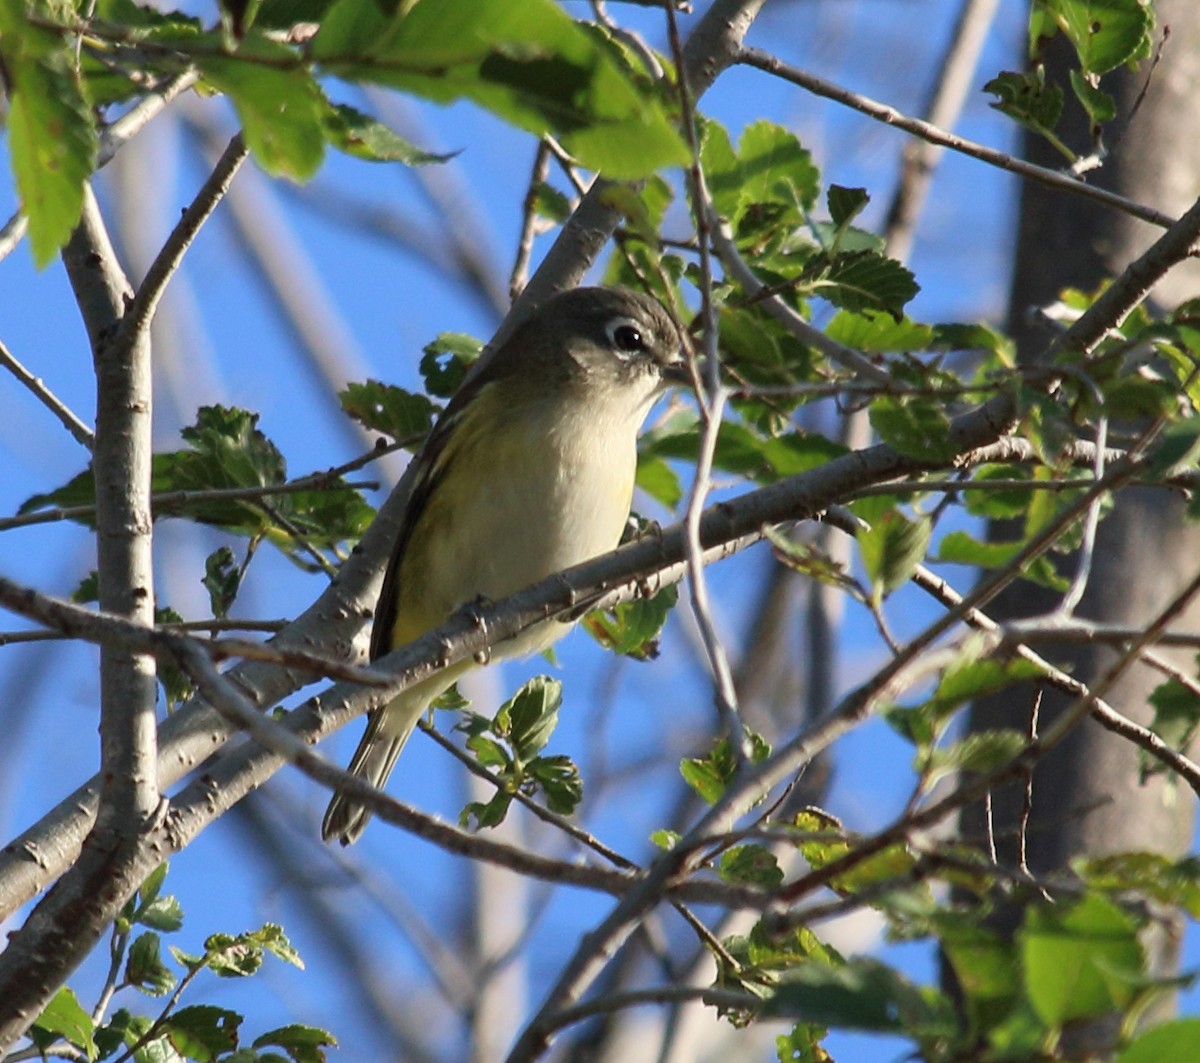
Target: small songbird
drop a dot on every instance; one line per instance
(529, 470)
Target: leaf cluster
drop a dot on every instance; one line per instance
(510, 745)
(280, 66)
(203, 1033)
(226, 450)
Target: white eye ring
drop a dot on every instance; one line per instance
(626, 337)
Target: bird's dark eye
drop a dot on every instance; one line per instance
(626, 337)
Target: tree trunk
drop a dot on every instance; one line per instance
(1088, 794)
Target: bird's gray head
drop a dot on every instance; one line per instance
(602, 338)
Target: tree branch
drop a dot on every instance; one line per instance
(62, 929)
(66, 416)
(141, 310)
(881, 112)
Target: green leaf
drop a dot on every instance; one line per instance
(823, 840)
(222, 578)
(659, 481)
(479, 815)
(916, 427)
(709, 775)
(757, 349)
(177, 685)
(550, 203)
(979, 753)
(769, 177)
(1104, 33)
(529, 717)
(303, 1044)
(281, 108)
(227, 450)
(845, 204)
(51, 134)
(525, 60)
(774, 166)
(149, 890)
(1080, 960)
(1175, 883)
(270, 936)
(802, 1044)
(65, 1017)
(1027, 98)
(186, 959)
(133, 1028)
(489, 752)
(163, 913)
(877, 332)
(144, 967)
(985, 966)
(960, 548)
(751, 865)
(88, 589)
(446, 360)
(232, 957)
(1138, 397)
(861, 994)
(632, 628)
(664, 839)
(559, 779)
(891, 549)
(809, 561)
(741, 449)
(367, 138)
(1176, 717)
(385, 408)
(203, 1032)
(864, 280)
(969, 678)
(1100, 106)
(1175, 1041)
(761, 957)
(998, 503)
(1178, 448)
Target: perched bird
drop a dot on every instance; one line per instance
(529, 470)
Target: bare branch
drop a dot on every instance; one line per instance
(890, 116)
(47, 398)
(167, 502)
(141, 310)
(520, 269)
(62, 929)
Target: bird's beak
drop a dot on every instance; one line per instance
(677, 374)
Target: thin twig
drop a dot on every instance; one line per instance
(1104, 713)
(141, 310)
(737, 268)
(164, 503)
(529, 218)
(712, 401)
(1027, 791)
(84, 435)
(135, 119)
(890, 116)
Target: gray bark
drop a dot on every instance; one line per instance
(1088, 794)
